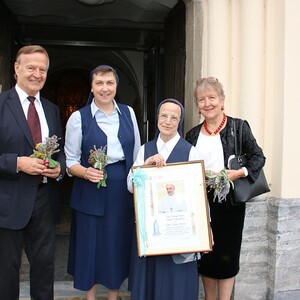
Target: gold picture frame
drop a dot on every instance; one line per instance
(171, 224)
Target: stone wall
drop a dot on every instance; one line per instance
(283, 281)
(270, 256)
(251, 280)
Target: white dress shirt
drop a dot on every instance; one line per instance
(39, 108)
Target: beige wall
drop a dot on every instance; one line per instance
(194, 32)
(253, 48)
(288, 102)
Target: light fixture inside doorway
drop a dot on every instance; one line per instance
(95, 2)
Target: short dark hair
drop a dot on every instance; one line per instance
(104, 69)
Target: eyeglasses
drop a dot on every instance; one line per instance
(208, 79)
(171, 118)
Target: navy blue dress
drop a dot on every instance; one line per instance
(103, 220)
(158, 277)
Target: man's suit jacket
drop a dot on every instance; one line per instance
(18, 190)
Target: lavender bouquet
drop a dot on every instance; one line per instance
(45, 150)
(220, 183)
(98, 160)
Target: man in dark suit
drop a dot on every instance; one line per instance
(28, 205)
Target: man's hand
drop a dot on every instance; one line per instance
(30, 165)
(52, 172)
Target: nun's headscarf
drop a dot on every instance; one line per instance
(97, 70)
(180, 125)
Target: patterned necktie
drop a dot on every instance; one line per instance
(34, 122)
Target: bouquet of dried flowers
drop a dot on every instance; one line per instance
(46, 150)
(220, 183)
(98, 159)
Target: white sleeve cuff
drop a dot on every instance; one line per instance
(245, 171)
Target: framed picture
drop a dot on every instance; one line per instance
(171, 209)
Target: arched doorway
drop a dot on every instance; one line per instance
(141, 68)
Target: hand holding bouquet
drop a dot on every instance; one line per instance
(98, 160)
(220, 183)
(45, 150)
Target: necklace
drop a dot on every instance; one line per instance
(219, 127)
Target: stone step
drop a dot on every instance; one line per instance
(63, 290)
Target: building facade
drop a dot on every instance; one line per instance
(253, 48)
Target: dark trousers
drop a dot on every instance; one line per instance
(38, 240)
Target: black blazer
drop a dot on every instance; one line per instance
(256, 158)
(18, 190)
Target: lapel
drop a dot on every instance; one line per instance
(15, 106)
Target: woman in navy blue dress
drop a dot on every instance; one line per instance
(102, 221)
(165, 277)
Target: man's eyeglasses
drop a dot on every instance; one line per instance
(171, 118)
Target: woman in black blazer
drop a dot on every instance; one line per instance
(214, 139)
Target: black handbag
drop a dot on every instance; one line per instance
(244, 188)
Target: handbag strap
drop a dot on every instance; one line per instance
(241, 138)
(235, 139)
(238, 146)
